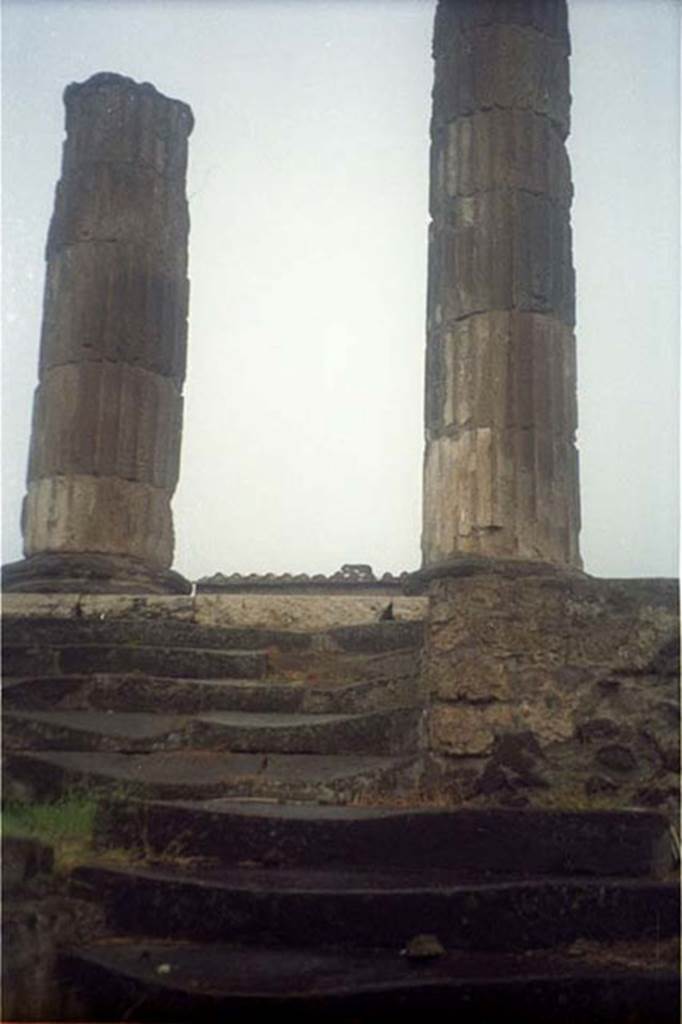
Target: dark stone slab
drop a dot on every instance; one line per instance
(158, 661)
(221, 982)
(133, 692)
(378, 909)
(203, 774)
(94, 731)
(387, 732)
(478, 842)
(135, 630)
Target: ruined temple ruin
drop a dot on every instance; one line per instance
(350, 798)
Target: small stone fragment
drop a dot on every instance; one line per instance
(424, 947)
(617, 758)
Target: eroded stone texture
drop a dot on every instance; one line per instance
(107, 418)
(500, 467)
(559, 689)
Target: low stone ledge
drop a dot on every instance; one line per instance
(307, 612)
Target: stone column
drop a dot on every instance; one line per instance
(500, 466)
(107, 416)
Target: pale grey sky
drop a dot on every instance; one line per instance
(308, 189)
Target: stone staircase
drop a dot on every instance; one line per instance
(155, 709)
(261, 845)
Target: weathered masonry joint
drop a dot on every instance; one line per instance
(500, 463)
(107, 414)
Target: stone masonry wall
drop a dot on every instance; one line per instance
(555, 689)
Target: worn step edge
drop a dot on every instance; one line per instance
(378, 909)
(141, 693)
(483, 840)
(383, 732)
(129, 691)
(371, 637)
(174, 662)
(68, 632)
(321, 778)
(540, 989)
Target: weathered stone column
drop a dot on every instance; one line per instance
(107, 417)
(500, 466)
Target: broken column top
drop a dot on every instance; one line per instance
(547, 16)
(110, 81)
(113, 119)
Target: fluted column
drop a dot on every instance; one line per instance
(500, 464)
(107, 417)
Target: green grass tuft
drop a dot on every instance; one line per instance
(66, 824)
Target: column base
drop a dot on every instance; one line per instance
(52, 572)
(481, 565)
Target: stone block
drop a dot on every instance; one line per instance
(114, 119)
(501, 250)
(508, 493)
(107, 419)
(43, 606)
(122, 606)
(115, 301)
(498, 149)
(462, 730)
(616, 758)
(502, 370)
(467, 676)
(121, 202)
(302, 612)
(98, 514)
(504, 66)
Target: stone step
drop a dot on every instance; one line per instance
(202, 774)
(376, 637)
(470, 842)
(378, 909)
(190, 663)
(384, 732)
(140, 693)
(131, 692)
(369, 638)
(69, 632)
(183, 982)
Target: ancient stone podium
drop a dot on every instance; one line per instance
(500, 464)
(107, 414)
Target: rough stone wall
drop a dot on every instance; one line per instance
(556, 689)
(500, 464)
(107, 417)
(38, 918)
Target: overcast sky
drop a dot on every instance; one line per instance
(308, 172)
